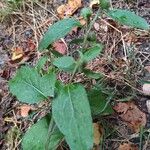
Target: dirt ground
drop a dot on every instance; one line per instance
(25, 26)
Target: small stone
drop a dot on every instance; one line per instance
(148, 105)
(96, 26)
(146, 89)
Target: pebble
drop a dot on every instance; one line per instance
(148, 106)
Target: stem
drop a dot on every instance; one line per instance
(141, 138)
(74, 71)
(90, 27)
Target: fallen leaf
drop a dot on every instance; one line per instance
(68, 9)
(17, 53)
(24, 110)
(130, 38)
(128, 146)
(31, 45)
(98, 132)
(131, 114)
(60, 47)
(146, 89)
(96, 26)
(61, 10)
(94, 3)
(82, 21)
(6, 73)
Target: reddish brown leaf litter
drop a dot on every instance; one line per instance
(24, 110)
(22, 53)
(60, 47)
(131, 114)
(128, 146)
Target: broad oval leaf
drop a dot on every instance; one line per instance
(92, 52)
(71, 112)
(35, 138)
(66, 63)
(129, 18)
(98, 103)
(28, 86)
(57, 31)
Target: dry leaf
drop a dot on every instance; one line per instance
(128, 146)
(98, 131)
(69, 8)
(130, 39)
(24, 110)
(94, 3)
(31, 45)
(131, 114)
(82, 21)
(17, 53)
(146, 89)
(60, 47)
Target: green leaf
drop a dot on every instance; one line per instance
(40, 64)
(86, 13)
(98, 103)
(77, 41)
(55, 138)
(66, 63)
(57, 31)
(35, 138)
(128, 18)
(71, 112)
(92, 74)
(92, 52)
(28, 86)
(92, 38)
(105, 4)
(55, 53)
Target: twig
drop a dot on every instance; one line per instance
(34, 24)
(47, 10)
(147, 142)
(123, 43)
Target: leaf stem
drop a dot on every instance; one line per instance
(74, 71)
(141, 137)
(90, 27)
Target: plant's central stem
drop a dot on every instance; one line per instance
(90, 27)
